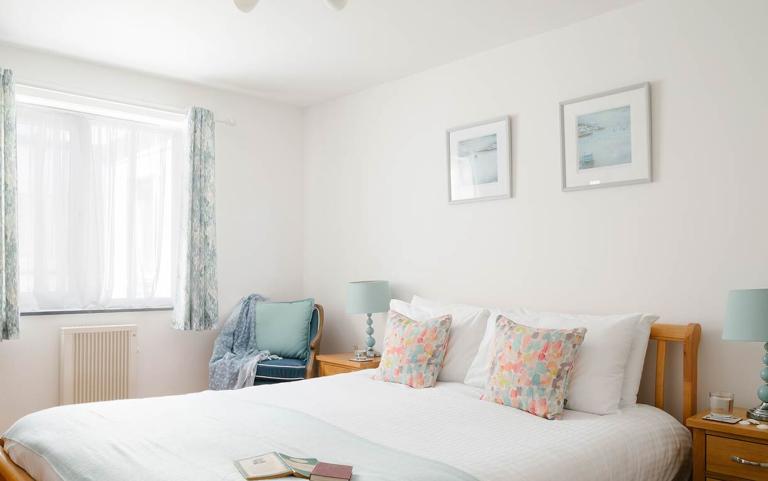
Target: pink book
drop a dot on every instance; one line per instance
(331, 472)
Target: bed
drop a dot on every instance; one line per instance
(387, 431)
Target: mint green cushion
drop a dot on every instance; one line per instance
(282, 328)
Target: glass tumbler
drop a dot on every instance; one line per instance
(721, 402)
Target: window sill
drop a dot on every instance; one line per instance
(96, 311)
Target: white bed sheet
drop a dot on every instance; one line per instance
(450, 424)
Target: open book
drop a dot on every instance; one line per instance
(275, 465)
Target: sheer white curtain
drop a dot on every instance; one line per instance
(98, 207)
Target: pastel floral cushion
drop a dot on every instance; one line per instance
(413, 350)
(531, 367)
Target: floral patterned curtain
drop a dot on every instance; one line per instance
(9, 307)
(196, 306)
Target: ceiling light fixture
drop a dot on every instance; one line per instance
(336, 4)
(247, 5)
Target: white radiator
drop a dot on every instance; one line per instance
(97, 363)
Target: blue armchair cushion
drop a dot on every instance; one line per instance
(282, 328)
(281, 370)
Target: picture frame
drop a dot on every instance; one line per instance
(480, 161)
(605, 139)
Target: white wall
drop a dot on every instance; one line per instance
(376, 181)
(259, 220)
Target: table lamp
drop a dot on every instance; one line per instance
(367, 297)
(746, 319)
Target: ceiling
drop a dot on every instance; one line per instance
(297, 51)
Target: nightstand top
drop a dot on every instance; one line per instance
(750, 431)
(343, 359)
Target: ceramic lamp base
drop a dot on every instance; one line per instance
(370, 341)
(759, 413)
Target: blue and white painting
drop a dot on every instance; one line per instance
(480, 154)
(604, 138)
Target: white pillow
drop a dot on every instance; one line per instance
(480, 369)
(595, 384)
(633, 373)
(467, 330)
(408, 310)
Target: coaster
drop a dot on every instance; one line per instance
(722, 418)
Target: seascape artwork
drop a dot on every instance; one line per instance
(604, 138)
(479, 161)
(479, 157)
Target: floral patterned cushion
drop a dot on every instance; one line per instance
(531, 367)
(413, 350)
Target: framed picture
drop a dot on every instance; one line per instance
(606, 138)
(480, 161)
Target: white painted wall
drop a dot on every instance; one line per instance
(376, 181)
(259, 220)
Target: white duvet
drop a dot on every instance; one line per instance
(448, 424)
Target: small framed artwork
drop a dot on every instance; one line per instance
(480, 161)
(606, 138)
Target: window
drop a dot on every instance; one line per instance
(98, 201)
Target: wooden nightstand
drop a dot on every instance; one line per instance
(330, 364)
(728, 452)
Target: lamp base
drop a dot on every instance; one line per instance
(370, 341)
(759, 413)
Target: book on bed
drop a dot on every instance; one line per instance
(331, 472)
(275, 465)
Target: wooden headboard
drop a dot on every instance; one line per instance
(689, 335)
(9, 471)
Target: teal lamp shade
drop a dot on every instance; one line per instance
(368, 297)
(746, 317)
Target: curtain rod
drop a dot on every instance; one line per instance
(128, 103)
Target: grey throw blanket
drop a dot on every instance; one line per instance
(235, 356)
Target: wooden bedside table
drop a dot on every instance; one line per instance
(330, 364)
(728, 452)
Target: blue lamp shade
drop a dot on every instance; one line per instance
(746, 316)
(368, 297)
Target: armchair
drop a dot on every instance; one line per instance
(283, 370)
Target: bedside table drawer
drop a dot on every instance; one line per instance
(331, 369)
(721, 452)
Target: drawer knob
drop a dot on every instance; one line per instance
(739, 460)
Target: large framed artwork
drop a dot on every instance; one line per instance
(606, 138)
(480, 161)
